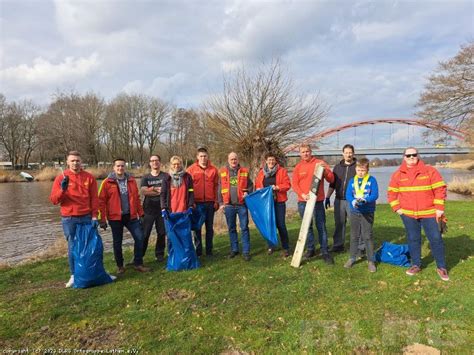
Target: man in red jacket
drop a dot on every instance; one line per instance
(417, 193)
(119, 203)
(301, 183)
(205, 181)
(76, 191)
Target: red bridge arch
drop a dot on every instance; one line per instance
(407, 121)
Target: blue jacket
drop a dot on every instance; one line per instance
(371, 194)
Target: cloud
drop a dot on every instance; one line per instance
(43, 73)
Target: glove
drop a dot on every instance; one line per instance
(95, 223)
(354, 203)
(164, 213)
(190, 210)
(327, 203)
(65, 183)
(103, 225)
(362, 201)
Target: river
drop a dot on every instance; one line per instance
(30, 224)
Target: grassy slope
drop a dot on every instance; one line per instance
(262, 306)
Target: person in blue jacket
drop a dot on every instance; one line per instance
(361, 194)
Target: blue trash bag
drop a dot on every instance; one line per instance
(88, 254)
(262, 208)
(395, 254)
(198, 216)
(181, 252)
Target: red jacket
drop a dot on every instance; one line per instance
(303, 177)
(418, 191)
(110, 206)
(205, 182)
(242, 184)
(80, 198)
(282, 181)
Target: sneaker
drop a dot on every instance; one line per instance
(286, 253)
(309, 253)
(120, 270)
(270, 251)
(328, 259)
(372, 267)
(247, 257)
(233, 254)
(413, 270)
(349, 263)
(443, 274)
(70, 282)
(113, 277)
(141, 268)
(339, 249)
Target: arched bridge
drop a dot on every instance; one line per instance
(292, 150)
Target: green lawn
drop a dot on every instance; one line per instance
(262, 306)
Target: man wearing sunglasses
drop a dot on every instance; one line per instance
(417, 193)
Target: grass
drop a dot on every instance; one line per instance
(261, 306)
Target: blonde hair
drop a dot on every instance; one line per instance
(175, 157)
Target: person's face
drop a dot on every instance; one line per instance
(74, 163)
(233, 160)
(119, 168)
(271, 162)
(348, 155)
(305, 154)
(361, 171)
(202, 158)
(155, 163)
(175, 165)
(411, 157)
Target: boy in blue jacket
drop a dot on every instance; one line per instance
(361, 194)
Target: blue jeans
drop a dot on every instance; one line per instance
(413, 230)
(208, 209)
(280, 215)
(231, 213)
(69, 228)
(135, 228)
(319, 215)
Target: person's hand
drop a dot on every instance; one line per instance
(95, 223)
(164, 213)
(361, 201)
(245, 193)
(305, 197)
(221, 208)
(64, 183)
(327, 203)
(275, 188)
(157, 189)
(399, 211)
(354, 203)
(103, 225)
(439, 214)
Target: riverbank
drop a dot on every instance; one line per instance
(263, 306)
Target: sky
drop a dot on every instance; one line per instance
(366, 59)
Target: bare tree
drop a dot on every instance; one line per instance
(260, 112)
(448, 96)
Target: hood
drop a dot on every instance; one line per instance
(113, 176)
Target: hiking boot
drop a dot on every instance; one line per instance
(120, 270)
(372, 267)
(443, 274)
(141, 268)
(286, 253)
(349, 263)
(413, 270)
(309, 253)
(339, 249)
(270, 251)
(70, 282)
(233, 254)
(247, 257)
(328, 259)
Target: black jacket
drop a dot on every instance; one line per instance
(342, 175)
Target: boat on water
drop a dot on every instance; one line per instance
(27, 176)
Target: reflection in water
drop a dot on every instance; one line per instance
(29, 223)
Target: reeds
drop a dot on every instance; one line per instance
(462, 186)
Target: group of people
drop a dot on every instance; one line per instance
(416, 192)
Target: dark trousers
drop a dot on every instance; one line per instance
(135, 228)
(361, 228)
(150, 220)
(208, 209)
(280, 215)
